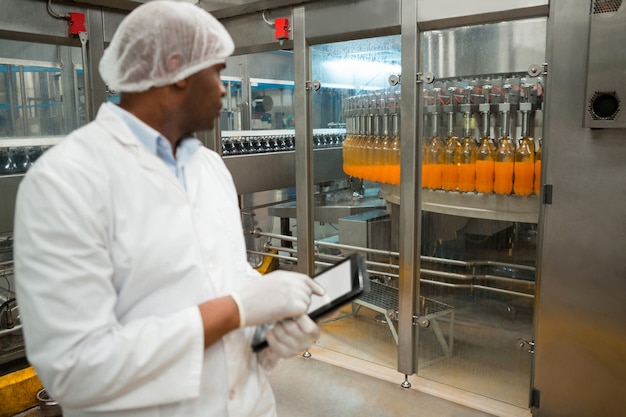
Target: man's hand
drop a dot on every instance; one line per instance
(277, 296)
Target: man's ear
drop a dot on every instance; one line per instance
(181, 84)
(173, 62)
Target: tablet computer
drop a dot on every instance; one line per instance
(343, 282)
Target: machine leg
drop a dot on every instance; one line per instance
(406, 383)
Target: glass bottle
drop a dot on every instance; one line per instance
(374, 143)
(467, 163)
(433, 158)
(451, 158)
(393, 156)
(384, 144)
(361, 143)
(504, 160)
(348, 142)
(537, 180)
(524, 167)
(485, 156)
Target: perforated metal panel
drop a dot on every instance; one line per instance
(605, 6)
(606, 74)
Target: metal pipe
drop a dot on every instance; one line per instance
(442, 274)
(86, 73)
(454, 262)
(25, 115)
(11, 330)
(304, 143)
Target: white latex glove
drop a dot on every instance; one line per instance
(288, 338)
(276, 296)
(268, 359)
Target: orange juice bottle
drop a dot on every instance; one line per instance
(485, 159)
(384, 158)
(524, 168)
(348, 142)
(467, 166)
(451, 158)
(432, 159)
(354, 135)
(451, 162)
(345, 151)
(433, 163)
(467, 163)
(360, 155)
(537, 180)
(485, 156)
(385, 140)
(504, 157)
(503, 167)
(393, 156)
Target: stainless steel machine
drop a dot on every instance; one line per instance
(336, 135)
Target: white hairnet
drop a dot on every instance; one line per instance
(162, 42)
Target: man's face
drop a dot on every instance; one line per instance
(205, 97)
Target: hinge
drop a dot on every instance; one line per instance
(547, 194)
(422, 321)
(538, 69)
(427, 77)
(534, 398)
(527, 345)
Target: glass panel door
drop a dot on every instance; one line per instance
(481, 148)
(355, 115)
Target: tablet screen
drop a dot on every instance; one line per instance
(336, 281)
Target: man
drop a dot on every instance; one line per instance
(131, 272)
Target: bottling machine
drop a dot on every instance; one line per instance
(471, 151)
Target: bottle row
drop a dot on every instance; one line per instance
(486, 167)
(451, 165)
(17, 160)
(246, 145)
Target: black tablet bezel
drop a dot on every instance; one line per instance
(360, 284)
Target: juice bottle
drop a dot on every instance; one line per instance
(503, 167)
(381, 159)
(348, 142)
(433, 163)
(524, 168)
(385, 147)
(432, 158)
(360, 154)
(394, 162)
(537, 181)
(393, 155)
(451, 162)
(467, 163)
(504, 157)
(451, 158)
(485, 156)
(485, 159)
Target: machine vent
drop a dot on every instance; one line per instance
(605, 6)
(604, 106)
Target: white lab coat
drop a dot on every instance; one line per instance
(112, 257)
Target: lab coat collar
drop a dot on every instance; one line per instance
(120, 131)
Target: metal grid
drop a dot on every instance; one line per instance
(386, 297)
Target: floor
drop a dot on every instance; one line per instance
(313, 388)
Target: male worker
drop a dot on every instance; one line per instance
(132, 278)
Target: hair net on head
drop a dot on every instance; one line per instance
(162, 42)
